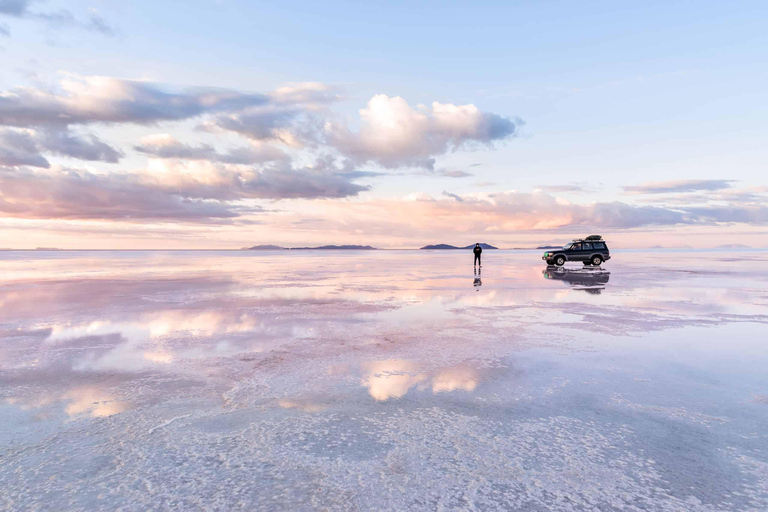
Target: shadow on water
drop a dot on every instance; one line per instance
(588, 279)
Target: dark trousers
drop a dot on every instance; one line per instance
(477, 259)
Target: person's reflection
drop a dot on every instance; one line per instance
(478, 282)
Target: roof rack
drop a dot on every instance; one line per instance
(590, 238)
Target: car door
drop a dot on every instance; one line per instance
(575, 253)
(586, 251)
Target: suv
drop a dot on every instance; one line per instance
(592, 250)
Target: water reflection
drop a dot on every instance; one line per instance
(590, 280)
(318, 365)
(80, 401)
(478, 281)
(393, 378)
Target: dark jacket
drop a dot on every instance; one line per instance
(477, 250)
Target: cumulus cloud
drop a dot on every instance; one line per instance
(166, 146)
(395, 135)
(198, 193)
(26, 147)
(93, 99)
(665, 187)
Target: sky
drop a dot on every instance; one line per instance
(225, 124)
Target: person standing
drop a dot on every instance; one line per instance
(478, 251)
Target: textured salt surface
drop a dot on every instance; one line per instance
(382, 381)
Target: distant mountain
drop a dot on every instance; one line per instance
(550, 247)
(337, 247)
(446, 246)
(733, 246)
(265, 248)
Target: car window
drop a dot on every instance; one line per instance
(587, 247)
(576, 247)
(599, 245)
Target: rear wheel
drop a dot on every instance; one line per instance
(560, 261)
(597, 260)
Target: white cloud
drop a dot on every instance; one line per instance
(395, 135)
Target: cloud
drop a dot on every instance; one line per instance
(732, 214)
(19, 148)
(395, 135)
(665, 187)
(422, 216)
(26, 147)
(203, 192)
(578, 188)
(312, 94)
(454, 173)
(93, 99)
(72, 194)
(293, 115)
(279, 180)
(16, 8)
(166, 146)
(262, 123)
(56, 19)
(89, 147)
(455, 197)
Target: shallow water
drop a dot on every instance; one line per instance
(386, 380)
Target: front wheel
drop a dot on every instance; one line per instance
(560, 261)
(597, 260)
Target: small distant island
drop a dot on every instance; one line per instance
(264, 248)
(322, 247)
(446, 246)
(550, 247)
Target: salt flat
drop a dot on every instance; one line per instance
(383, 380)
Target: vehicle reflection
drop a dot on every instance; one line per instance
(589, 279)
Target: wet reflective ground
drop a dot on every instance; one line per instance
(388, 380)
